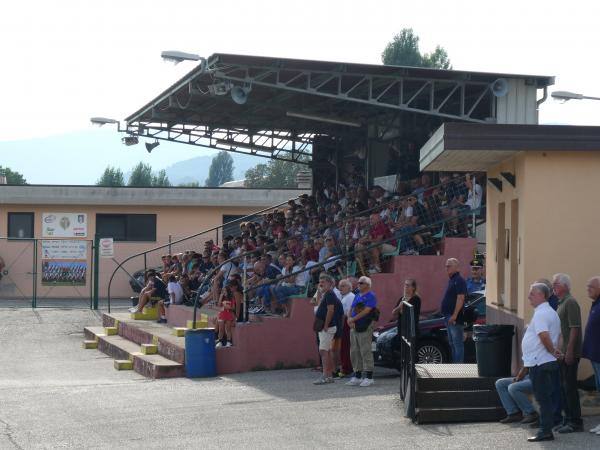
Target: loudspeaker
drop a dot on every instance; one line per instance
(240, 94)
(151, 146)
(499, 87)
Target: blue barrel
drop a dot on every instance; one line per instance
(200, 359)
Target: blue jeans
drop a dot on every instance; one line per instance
(283, 292)
(596, 366)
(265, 293)
(513, 395)
(455, 339)
(542, 379)
(405, 235)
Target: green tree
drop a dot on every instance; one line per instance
(221, 169)
(275, 174)
(189, 184)
(141, 175)
(161, 179)
(403, 50)
(111, 177)
(12, 176)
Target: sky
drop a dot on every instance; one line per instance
(65, 61)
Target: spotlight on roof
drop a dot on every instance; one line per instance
(151, 146)
(130, 140)
(99, 121)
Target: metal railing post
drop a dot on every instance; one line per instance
(96, 255)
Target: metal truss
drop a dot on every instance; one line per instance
(455, 99)
(272, 144)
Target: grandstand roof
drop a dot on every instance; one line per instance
(289, 101)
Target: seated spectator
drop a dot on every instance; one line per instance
(292, 285)
(176, 295)
(155, 290)
(379, 233)
(514, 394)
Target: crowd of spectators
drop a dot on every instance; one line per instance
(314, 230)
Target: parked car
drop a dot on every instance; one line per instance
(432, 341)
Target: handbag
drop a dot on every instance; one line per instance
(318, 324)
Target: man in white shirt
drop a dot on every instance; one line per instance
(540, 355)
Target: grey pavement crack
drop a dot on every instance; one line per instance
(8, 432)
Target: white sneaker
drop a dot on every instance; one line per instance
(133, 310)
(219, 344)
(595, 429)
(366, 382)
(229, 344)
(353, 382)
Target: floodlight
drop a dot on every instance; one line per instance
(99, 121)
(176, 57)
(565, 96)
(130, 140)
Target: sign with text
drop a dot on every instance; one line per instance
(64, 249)
(64, 225)
(107, 248)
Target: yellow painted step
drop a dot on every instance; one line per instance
(148, 313)
(110, 331)
(201, 322)
(123, 364)
(149, 349)
(179, 331)
(89, 344)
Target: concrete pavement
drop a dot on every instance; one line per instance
(54, 394)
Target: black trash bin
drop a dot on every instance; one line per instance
(493, 346)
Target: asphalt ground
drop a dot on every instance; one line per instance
(55, 395)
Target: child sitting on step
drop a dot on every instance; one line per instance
(226, 317)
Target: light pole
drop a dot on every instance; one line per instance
(565, 96)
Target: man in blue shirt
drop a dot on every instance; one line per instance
(591, 339)
(452, 309)
(361, 334)
(476, 282)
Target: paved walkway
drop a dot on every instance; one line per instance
(54, 394)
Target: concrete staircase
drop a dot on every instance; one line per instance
(455, 393)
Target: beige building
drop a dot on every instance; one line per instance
(542, 207)
(47, 231)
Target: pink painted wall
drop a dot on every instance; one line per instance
(428, 271)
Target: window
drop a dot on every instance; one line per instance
(127, 227)
(20, 225)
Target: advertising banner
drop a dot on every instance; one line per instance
(64, 249)
(64, 225)
(107, 248)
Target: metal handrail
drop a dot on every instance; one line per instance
(144, 253)
(408, 355)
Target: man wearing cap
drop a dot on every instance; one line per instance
(476, 282)
(361, 334)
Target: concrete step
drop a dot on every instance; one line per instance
(149, 365)
(453, 399)
(446, 415)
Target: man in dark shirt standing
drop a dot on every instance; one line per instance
(331, 312)
(591, 341)
(452, 309)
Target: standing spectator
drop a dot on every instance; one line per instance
(452, 309)
(591, 341)
(476, 282)
(361, 334)
(329, 311)
(410, 296)
(345, 287)
(540, 356)
(570, 324)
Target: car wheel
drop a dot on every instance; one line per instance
(431, 352)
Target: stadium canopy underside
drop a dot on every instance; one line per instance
(286, 108)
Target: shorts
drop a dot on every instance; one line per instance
(387, 248)
(226, 316)
(326, 338)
